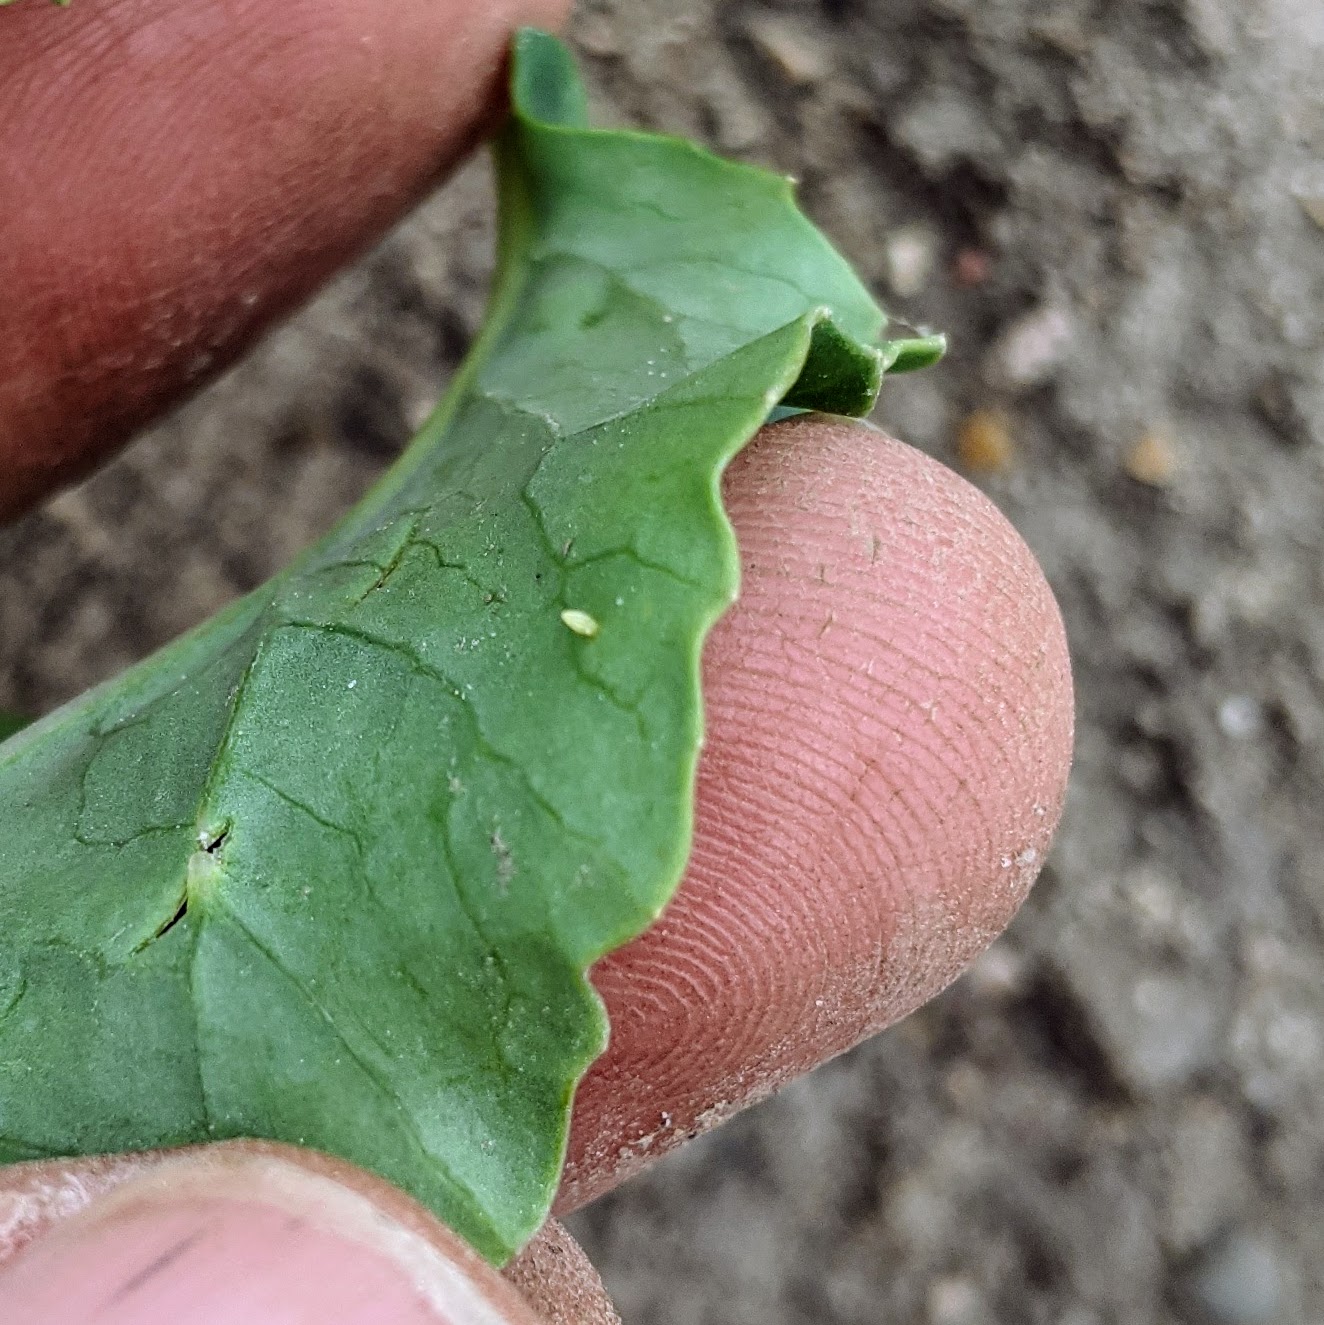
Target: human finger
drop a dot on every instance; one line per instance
(889, 713)
(179, 173)
(252, 1232)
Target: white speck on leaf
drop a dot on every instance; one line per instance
(580, 622)
(505, 863)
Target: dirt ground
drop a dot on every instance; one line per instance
(1116, 207)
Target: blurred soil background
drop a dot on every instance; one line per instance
(1116, 207)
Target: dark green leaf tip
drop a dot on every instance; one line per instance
(909, 355)
(545, 84)
(840, 376)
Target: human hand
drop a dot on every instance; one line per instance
(888, 706)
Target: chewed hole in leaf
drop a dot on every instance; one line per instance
(211, 840)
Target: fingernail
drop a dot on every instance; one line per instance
(224, 1243)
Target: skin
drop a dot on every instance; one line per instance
(889, 704)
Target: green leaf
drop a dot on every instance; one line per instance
(331, 868)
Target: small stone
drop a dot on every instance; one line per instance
(1000, 973)
(943, 128)
(984, 443)
(1241, 717)
(955, 1300)
(1153, 897)
(1214, 24)
(966, 1087)
(972, 267)
(1152, 460)
(1238, 1281)
(740, 122)
(910, 258)
(1033, 346)
(1176, 1030)
(1064, 30)
(797, 51)
(596, 34)
(1156, 1030)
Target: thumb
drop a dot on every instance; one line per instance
(254, 1235)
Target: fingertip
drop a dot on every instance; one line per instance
(894, 609)
(890, 722)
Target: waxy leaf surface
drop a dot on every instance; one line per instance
(331, 868)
